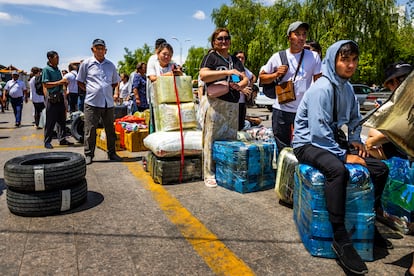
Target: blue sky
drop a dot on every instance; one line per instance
(30, 28)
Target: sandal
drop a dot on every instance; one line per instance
(210, 182)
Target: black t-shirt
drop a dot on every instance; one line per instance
(214, 61)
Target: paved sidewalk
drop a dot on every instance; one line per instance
(132, 226)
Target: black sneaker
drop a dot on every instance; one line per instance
(349, 257)
(48, 146)
(115, 157)
(65, 142)
(380, 241)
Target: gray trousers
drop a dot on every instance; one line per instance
(92, 115)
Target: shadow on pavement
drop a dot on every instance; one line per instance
(93, 200)
(2, 186)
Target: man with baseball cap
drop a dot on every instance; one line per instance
(377, 144)
(302, 67)
(396, 73)
(16, 90)
(98, 77)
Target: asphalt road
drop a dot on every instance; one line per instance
(133, 226)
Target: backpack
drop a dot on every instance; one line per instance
(269, 89)
(39, 85)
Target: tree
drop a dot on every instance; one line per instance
(131, 59)
(260, 30)
(193, 61)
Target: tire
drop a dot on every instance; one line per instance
(38, 204)
(76, 128)
(44, 171)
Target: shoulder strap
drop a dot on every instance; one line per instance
(283, 57)
(335, 114)
(300, 63)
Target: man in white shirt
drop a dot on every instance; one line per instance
(308, 69)
(16, 89)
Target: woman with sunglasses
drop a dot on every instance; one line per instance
(221, 117)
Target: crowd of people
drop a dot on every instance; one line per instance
(310, 123)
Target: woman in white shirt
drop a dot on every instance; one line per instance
(164, 67)
(123, 88)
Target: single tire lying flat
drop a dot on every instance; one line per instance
(44, 171)
(38, 204)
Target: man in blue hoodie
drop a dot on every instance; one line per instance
(315, 143)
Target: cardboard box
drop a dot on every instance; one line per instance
(134, 141)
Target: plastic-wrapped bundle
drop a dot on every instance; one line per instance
(244, 166)
(167, 170)
(261, 133)
(168, 143)
(311, 216)
(285, 182)
(360, 191)
(316, 233)
(164, 91)
(398, 196)
(167, 119)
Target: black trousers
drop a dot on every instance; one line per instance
(242, 115)
(282, 125)
(337, 177)
(92, 116)
(55, 115)
(73, 101)
(38, 107)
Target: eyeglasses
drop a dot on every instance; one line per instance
(223, 38)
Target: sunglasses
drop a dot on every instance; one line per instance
(223, 38)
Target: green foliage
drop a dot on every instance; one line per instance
(131, 59)
(260, 30)
(194, 58)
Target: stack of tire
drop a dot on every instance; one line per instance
(43, 184)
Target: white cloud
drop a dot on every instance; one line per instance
(6, 18)
(86, 6)
(119, 21)
(200, 15)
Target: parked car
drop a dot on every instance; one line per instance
(361, 92)
(375, 99)
(262, 100)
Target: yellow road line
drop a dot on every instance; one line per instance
(21, 148)
(214, 252)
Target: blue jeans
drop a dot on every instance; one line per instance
(17, 104)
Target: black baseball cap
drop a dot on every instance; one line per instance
(98, 41)
(396, 70)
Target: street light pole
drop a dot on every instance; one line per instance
(181, 48)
